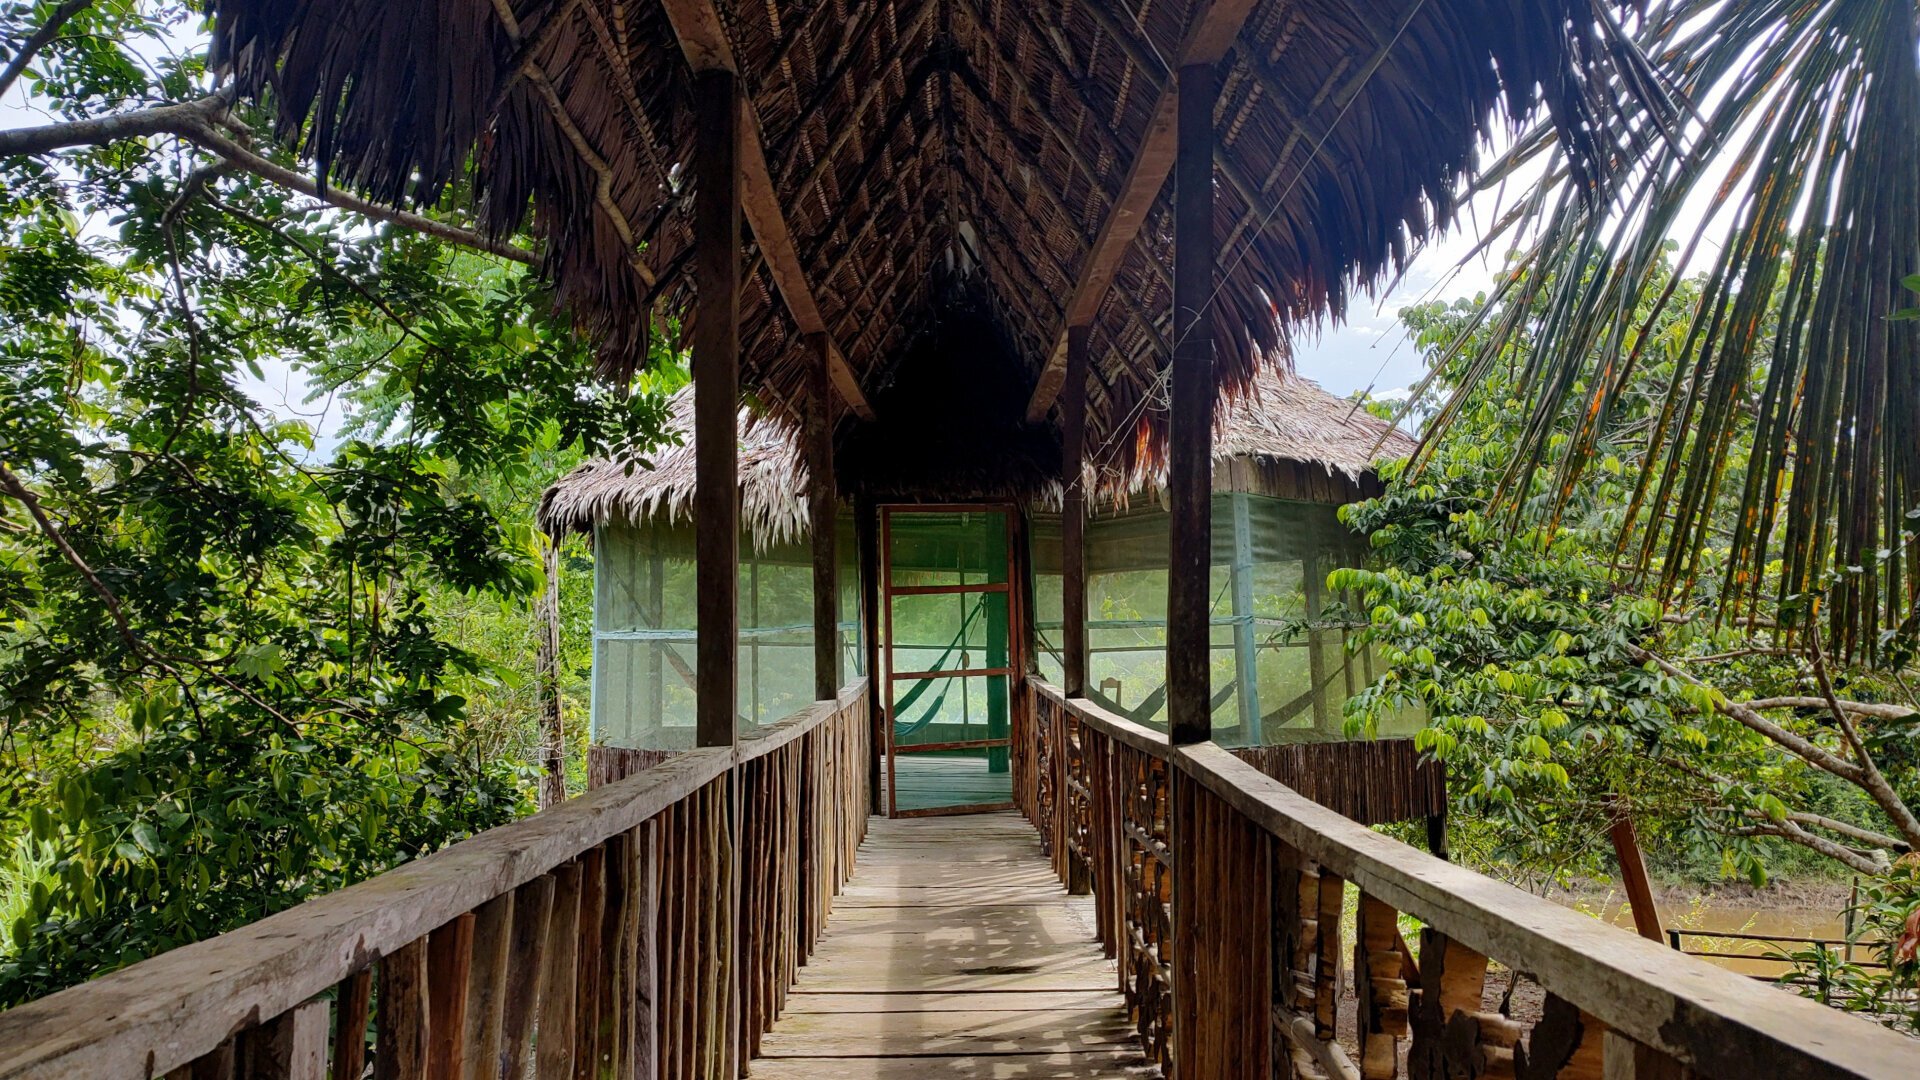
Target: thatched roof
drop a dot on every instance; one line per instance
(1284, 419)
(773, 482)
(994, 137)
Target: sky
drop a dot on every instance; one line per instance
(1371, 350)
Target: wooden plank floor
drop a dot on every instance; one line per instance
(954, 953)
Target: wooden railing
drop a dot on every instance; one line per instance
(648, 928)
(1222, 891)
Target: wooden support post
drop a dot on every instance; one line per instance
(866, 523)
(822, 505)
(1633, 870)
(716, 387)
(1190, 436)
(1073, 516)
(1246, 661)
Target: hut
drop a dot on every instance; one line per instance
(1287, 455)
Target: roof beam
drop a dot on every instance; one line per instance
(1208, 38)
(703, 40)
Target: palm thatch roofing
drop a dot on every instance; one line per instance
(1283, 421)
(1004, 141)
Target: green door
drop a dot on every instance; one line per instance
(949, 657)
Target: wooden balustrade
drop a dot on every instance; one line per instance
(1228, 891)
(649, 927)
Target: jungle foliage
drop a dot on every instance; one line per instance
(249, 654)
(1564, 689)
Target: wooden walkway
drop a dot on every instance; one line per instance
(954, 953)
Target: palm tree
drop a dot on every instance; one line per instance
(1802, 126)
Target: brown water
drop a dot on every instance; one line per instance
(1707, 920)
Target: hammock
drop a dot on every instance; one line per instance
(907, 700)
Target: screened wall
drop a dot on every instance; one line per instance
(643, 631)
(1281, 669)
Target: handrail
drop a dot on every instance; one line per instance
(174, 1008)
(772, 737)
(1703, 1016)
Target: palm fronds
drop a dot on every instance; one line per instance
(1803, 134)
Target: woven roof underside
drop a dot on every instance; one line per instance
(913, 138)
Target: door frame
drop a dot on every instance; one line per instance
(1009, 511)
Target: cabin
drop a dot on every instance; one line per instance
(956, 255)
(1286, 456)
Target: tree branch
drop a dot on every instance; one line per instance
(38, 40)
(1874, 709)
(1787, 830)
(1850, 831)
(1800, 747)
(198, 122)
(1871, 778)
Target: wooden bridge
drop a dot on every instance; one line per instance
(717, 915)
(1138, 200)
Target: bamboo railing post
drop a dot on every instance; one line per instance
(532, 910)
(608, 1018)
(1566, 1044)
(589, 961)
(351, 1000)
(403, 1015)
(449, 967)
(291, 1046)
(487, 985)
(1380, 987)
(646, 963)
(1626, 1059)
(559, 980)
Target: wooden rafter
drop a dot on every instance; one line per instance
(796, 142)
(877, 152)
(914, 222)
(996, 48)
(1081, 243)
(906, 244)
(703, 39)
(1207, 40)
(858, 235)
